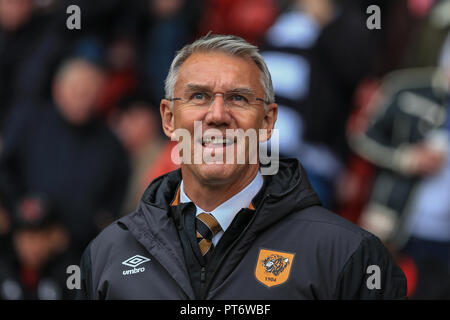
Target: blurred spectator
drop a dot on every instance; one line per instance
(137, 124)
(315, 74)
(121, 74)
(412, 34)
(408, 139)
(341, 58)
(354, 184)
(166, 25)
(36, 266)
(405, 141)
(65, 151)
(29, 49)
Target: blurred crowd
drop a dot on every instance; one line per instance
(365, 110)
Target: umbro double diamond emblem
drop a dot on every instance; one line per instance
(133, 262)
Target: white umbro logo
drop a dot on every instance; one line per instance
(136, 260)
(133, 262)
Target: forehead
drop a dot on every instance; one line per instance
(219, 71)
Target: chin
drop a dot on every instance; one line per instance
(217, 173)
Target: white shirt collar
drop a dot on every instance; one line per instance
(226, 212)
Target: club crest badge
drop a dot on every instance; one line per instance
(273, 267)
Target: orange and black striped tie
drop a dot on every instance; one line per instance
(207, 227)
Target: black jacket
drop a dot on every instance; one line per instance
(290, 249)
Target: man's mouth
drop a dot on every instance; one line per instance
(217, 142)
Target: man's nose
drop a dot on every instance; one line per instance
(218, 113)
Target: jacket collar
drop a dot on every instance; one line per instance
(289, 185)
(225, 212)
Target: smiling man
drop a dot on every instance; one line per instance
(218, 228)
(222, 98)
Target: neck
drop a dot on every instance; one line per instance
(210, 196)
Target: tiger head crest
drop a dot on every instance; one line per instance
(273, 267)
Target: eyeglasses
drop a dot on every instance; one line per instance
(238, 98)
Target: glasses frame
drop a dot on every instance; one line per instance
(213, 97)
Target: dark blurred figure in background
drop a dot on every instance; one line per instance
(317, 52)
(29, 47)
(137, 125)
(35, 268)
(164, 27)
(408, 140)
(411, 36)
(65, 151)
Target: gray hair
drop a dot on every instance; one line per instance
(229, 44)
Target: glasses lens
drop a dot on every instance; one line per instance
(199, 98)
(231, 99)
(238, 99)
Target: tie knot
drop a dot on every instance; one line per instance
(207, 225)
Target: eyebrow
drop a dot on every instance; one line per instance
(192, 87)
(243, 90)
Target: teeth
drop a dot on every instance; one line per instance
(217, 141)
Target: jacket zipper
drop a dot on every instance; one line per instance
(202, 276)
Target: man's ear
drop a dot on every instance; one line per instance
(167, 117)
(269, 120)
